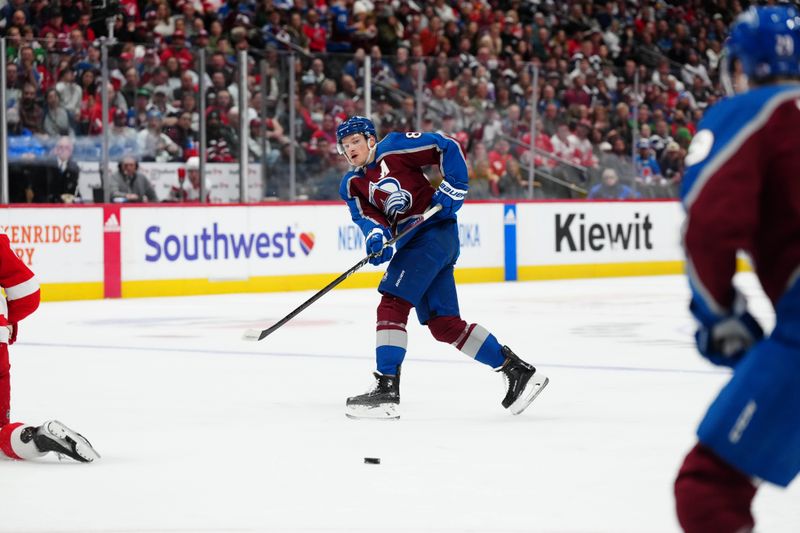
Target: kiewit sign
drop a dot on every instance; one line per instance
(599, 232)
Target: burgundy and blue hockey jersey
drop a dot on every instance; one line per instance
(393, 190)
(741, 191)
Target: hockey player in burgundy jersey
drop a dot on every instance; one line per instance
(385, 191)
(19, 441)
(741, 191)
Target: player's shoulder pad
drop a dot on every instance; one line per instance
(344, 185)
(404, 142)
(725, 127)
(391, 142)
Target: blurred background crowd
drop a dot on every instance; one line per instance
(621, 86)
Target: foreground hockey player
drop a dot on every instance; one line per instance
(385, 191)
(19, 441)
(742, 192)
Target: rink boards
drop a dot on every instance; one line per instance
(85, 252)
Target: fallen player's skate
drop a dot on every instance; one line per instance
(53, 436)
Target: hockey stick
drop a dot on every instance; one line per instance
(257, 335)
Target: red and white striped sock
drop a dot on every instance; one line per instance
(13, 446)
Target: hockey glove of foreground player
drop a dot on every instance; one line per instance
(375, 241)
(449, 198)
(724, 340)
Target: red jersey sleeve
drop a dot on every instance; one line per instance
(19, 283)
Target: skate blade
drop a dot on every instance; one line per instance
(384, 411)
(532, 390)
(82, 446)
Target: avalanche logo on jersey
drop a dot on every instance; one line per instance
(387, 195)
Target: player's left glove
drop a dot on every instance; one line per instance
(449, 197)
(375, 244)
(724, 340)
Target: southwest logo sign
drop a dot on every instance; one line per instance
(213, 244)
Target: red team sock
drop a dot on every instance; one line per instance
(6, 432)
(392, 313)
(711, 496)
(391, 337)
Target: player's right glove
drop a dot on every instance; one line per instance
(724, 340)
(449, 197)
(375, 241)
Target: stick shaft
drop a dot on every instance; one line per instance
(322, 292)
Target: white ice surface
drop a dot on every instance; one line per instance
(203, 432)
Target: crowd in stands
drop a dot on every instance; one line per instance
(621, 84)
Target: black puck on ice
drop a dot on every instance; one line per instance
(372, 460)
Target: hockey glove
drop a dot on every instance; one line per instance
(449, 198)
(375, 245)
(724, 340)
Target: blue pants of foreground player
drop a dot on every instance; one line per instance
(754, 422)
(421, 273)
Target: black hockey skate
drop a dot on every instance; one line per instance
(523, 382)
(53, 436)
(381, 402)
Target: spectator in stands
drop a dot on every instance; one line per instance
(31, 114)
(581, 146)
(648, 172)
(93, 57)
(499, 157)
(154, 144)
(56, 119)
(160, 81)
(178, 50)
(560, 142)
(122, 138)
(187, 85)
(513, 183)
(610, 188)
(54, 22)
(181, 132)
(222, 141)
(31, 72)
(63, 183)
(137, 116)
(13, 86)
(163, 105)
(693, 69)
(671, 164)
(188, 186)
(88, 83)
(69, 92)
(315, 32)
(77, 46)
(83, 24)
(578, 94)
(130, 185)
(258, 129)
(222, 105)
(551, 118)
(8, 10)
(164, 22)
